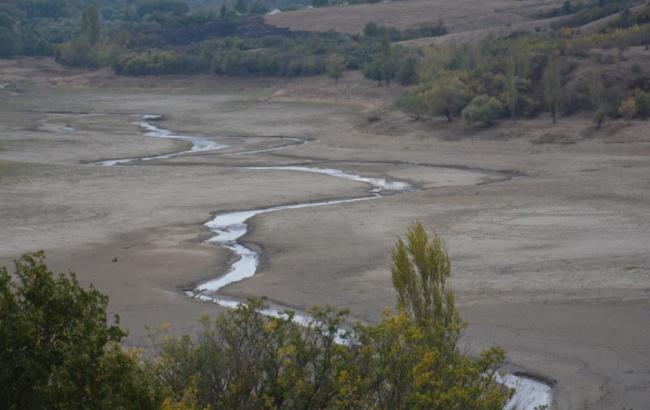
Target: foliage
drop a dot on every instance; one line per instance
(642, 103)
(77, 52)
(174, 7)
(42, 8)
(447, 97)
(374, 70)
(591, 12)
(552, 87)
(156, 63)
(411, 359)
(58, 351)
(637, 105)
(420, 272)
(615, 95)
(90, 25)
(407, 70)
(628, 108)
(372, 29)
(56, 348)
(412, 104)
(599, 117)
(335, 66)
(387, 59)
(511, 91)
(483, 109)
(595, 91)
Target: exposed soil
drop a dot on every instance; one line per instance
(550, 253)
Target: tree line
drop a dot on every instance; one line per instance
(524, 74)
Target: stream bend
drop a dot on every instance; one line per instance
(229, 227)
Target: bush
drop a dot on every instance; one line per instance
(628, 108)
(642, 103)
(175, 7)
(599, 117)
(446, 96)
(157, 63)
(615, 96)
(483, 109)
(406, 70)
(412, 104)
(76, 53)
(411, 359)
(56, 348)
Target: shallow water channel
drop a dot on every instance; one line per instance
(229, 227)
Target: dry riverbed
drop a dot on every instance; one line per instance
(548, 226)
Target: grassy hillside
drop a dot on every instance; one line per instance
(458, 15)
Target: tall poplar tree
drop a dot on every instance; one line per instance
(552, 87)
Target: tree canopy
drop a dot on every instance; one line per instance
(58, 350)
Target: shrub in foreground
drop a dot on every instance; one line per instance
(410, 360)
(58, 351)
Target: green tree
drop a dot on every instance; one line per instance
(9, 41)
(410, 360)
(76, 53)
(596, 91)
(56, 348)
(335, 66)
(520, 53)
(552, 87)
(244, 359)
(412, 104)
(483, 109)
(241, 7)
(387, 54)
(642, 103)
(511, 91)
(373, 70)
(90, 25)
(420, 272)
(628, 109)
(446, 96)
(407, 71)
(434, 62)
(371, 29)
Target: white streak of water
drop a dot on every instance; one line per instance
(530, 394)
(378, 184)
(199, 144)
(229, 227)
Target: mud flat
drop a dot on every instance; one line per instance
(228, 228)
(549, 241)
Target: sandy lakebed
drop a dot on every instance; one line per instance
(548, 227)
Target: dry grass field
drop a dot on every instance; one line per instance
(458, 15)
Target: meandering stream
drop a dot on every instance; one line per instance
(229, 228)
